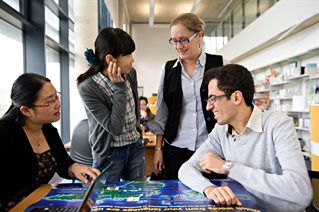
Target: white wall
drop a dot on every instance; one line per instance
(295, 45)
(152, 51)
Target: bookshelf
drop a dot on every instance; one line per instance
(291, 86)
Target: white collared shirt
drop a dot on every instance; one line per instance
(192, 129)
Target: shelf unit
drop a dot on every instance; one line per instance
(303, 129)
(281, 98)
(288, 86)
(279, 83)
(298, 77)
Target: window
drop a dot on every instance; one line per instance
(238, 19)
(54, 74)
(227, 30)
(13, 3)
(52, 25)
(250, 11)
(11, 59)
(210, 44)
(71, 9)
(71, 27)
(243, 13)
(23, 50)
(75, 99)
(219, 37)
(265, 5)
(71, 41)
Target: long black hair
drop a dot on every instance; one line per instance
(24, 92)
(113, 41)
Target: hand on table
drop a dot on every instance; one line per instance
(83, 172)
(222, 195)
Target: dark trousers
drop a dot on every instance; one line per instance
(174, 157)
(129, 162)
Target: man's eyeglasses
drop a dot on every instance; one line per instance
(212, 98)
(50, 101)
(174, 41)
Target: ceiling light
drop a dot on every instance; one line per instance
(151, 15)
(195, 6)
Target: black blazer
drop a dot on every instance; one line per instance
(18, 163)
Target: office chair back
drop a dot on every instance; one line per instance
(80, 150)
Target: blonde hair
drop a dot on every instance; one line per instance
(191, 21)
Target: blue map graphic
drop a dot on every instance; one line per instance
(166, 195)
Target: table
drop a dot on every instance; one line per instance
(165, 195)
(34, 197)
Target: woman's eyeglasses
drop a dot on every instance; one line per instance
(174, 41)
(50, 101)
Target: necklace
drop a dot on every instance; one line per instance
(38, 143)
(36, 140)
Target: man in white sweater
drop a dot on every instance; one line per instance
(257, 148)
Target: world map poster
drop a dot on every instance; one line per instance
(163, 195)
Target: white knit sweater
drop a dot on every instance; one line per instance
(267, 158)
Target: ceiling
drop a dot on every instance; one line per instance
(211, 11)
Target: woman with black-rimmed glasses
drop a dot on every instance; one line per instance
(181, 98)
(31, 150)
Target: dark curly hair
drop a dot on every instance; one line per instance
(233, 77)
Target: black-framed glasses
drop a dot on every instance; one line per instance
(213, 98)
(50, 101)
(174, 41)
